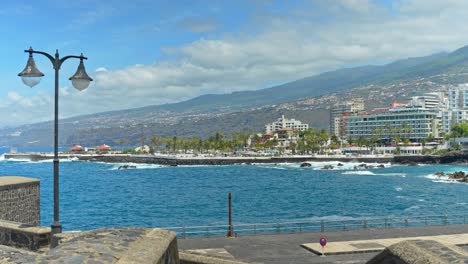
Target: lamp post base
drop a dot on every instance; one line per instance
(56, 228)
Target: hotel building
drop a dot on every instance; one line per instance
(413, 123)
(284, 123)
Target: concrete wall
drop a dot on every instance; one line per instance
(20, 200)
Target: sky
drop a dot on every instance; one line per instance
(149, 52)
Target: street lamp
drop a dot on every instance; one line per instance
(31, 76)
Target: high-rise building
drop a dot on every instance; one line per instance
(457, 111)
(340, 112)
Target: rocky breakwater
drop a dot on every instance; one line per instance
(453, 157)
(459, 176)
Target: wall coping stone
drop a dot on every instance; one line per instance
(7, 181)
(24, 228)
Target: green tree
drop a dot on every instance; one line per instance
(459, 130)
(142, 140)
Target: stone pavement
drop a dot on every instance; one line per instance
(286, 248)
(377, 245)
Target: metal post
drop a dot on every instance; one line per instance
(184, 232)
(322, 226)
(231, 229)
(56, 226)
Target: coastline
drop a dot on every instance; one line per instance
(175, 160)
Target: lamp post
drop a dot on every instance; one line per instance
(31, 76)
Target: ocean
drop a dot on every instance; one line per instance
(94, 195)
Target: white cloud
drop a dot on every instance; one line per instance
(283, 48)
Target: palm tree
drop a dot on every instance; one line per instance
(142, 140)
(155, 142)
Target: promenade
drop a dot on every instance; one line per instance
(287, 248)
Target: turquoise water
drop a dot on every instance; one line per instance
(99, 195)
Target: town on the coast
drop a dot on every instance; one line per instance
(428, 123)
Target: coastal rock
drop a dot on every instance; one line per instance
(125, 167)
(339, 164)
(381, 166)
(459, 176)
(327, 167)
(306, 164)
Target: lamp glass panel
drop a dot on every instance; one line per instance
(31, 81)
(80, 84)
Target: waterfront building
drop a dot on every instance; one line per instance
(104, 148)
(77, 149)
(457, 111)
(339, 114)
(435, 100)
(410, 122)
(283, 122)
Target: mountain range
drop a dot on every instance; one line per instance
(307, 99)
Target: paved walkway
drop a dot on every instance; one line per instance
(377, 245)
(286, 248)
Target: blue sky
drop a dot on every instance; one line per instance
(153, 52)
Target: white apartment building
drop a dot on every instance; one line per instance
(283, 122)
(435, 100)
(457, 111)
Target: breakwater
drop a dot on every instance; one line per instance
(175, 161)
(203, 160)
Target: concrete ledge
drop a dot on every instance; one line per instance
(188, 258)
(6, 181)
(23, 236)
(420, 252)
(157, 246)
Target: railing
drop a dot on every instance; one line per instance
(322, 225)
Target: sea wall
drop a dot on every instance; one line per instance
(175, 161)
(20, 200)
(170, 161)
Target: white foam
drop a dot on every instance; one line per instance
(370, 173)
(412, 208)
(358, 173)
(398, 189)
(441, 179)
(318, 165)
(136, 166)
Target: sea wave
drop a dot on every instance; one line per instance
(370, 173)
(412, 208)
(135, 166)
(358, 173)
(441, 179)
(319, 165)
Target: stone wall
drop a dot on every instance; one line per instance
(23, 236)
(20, 200)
